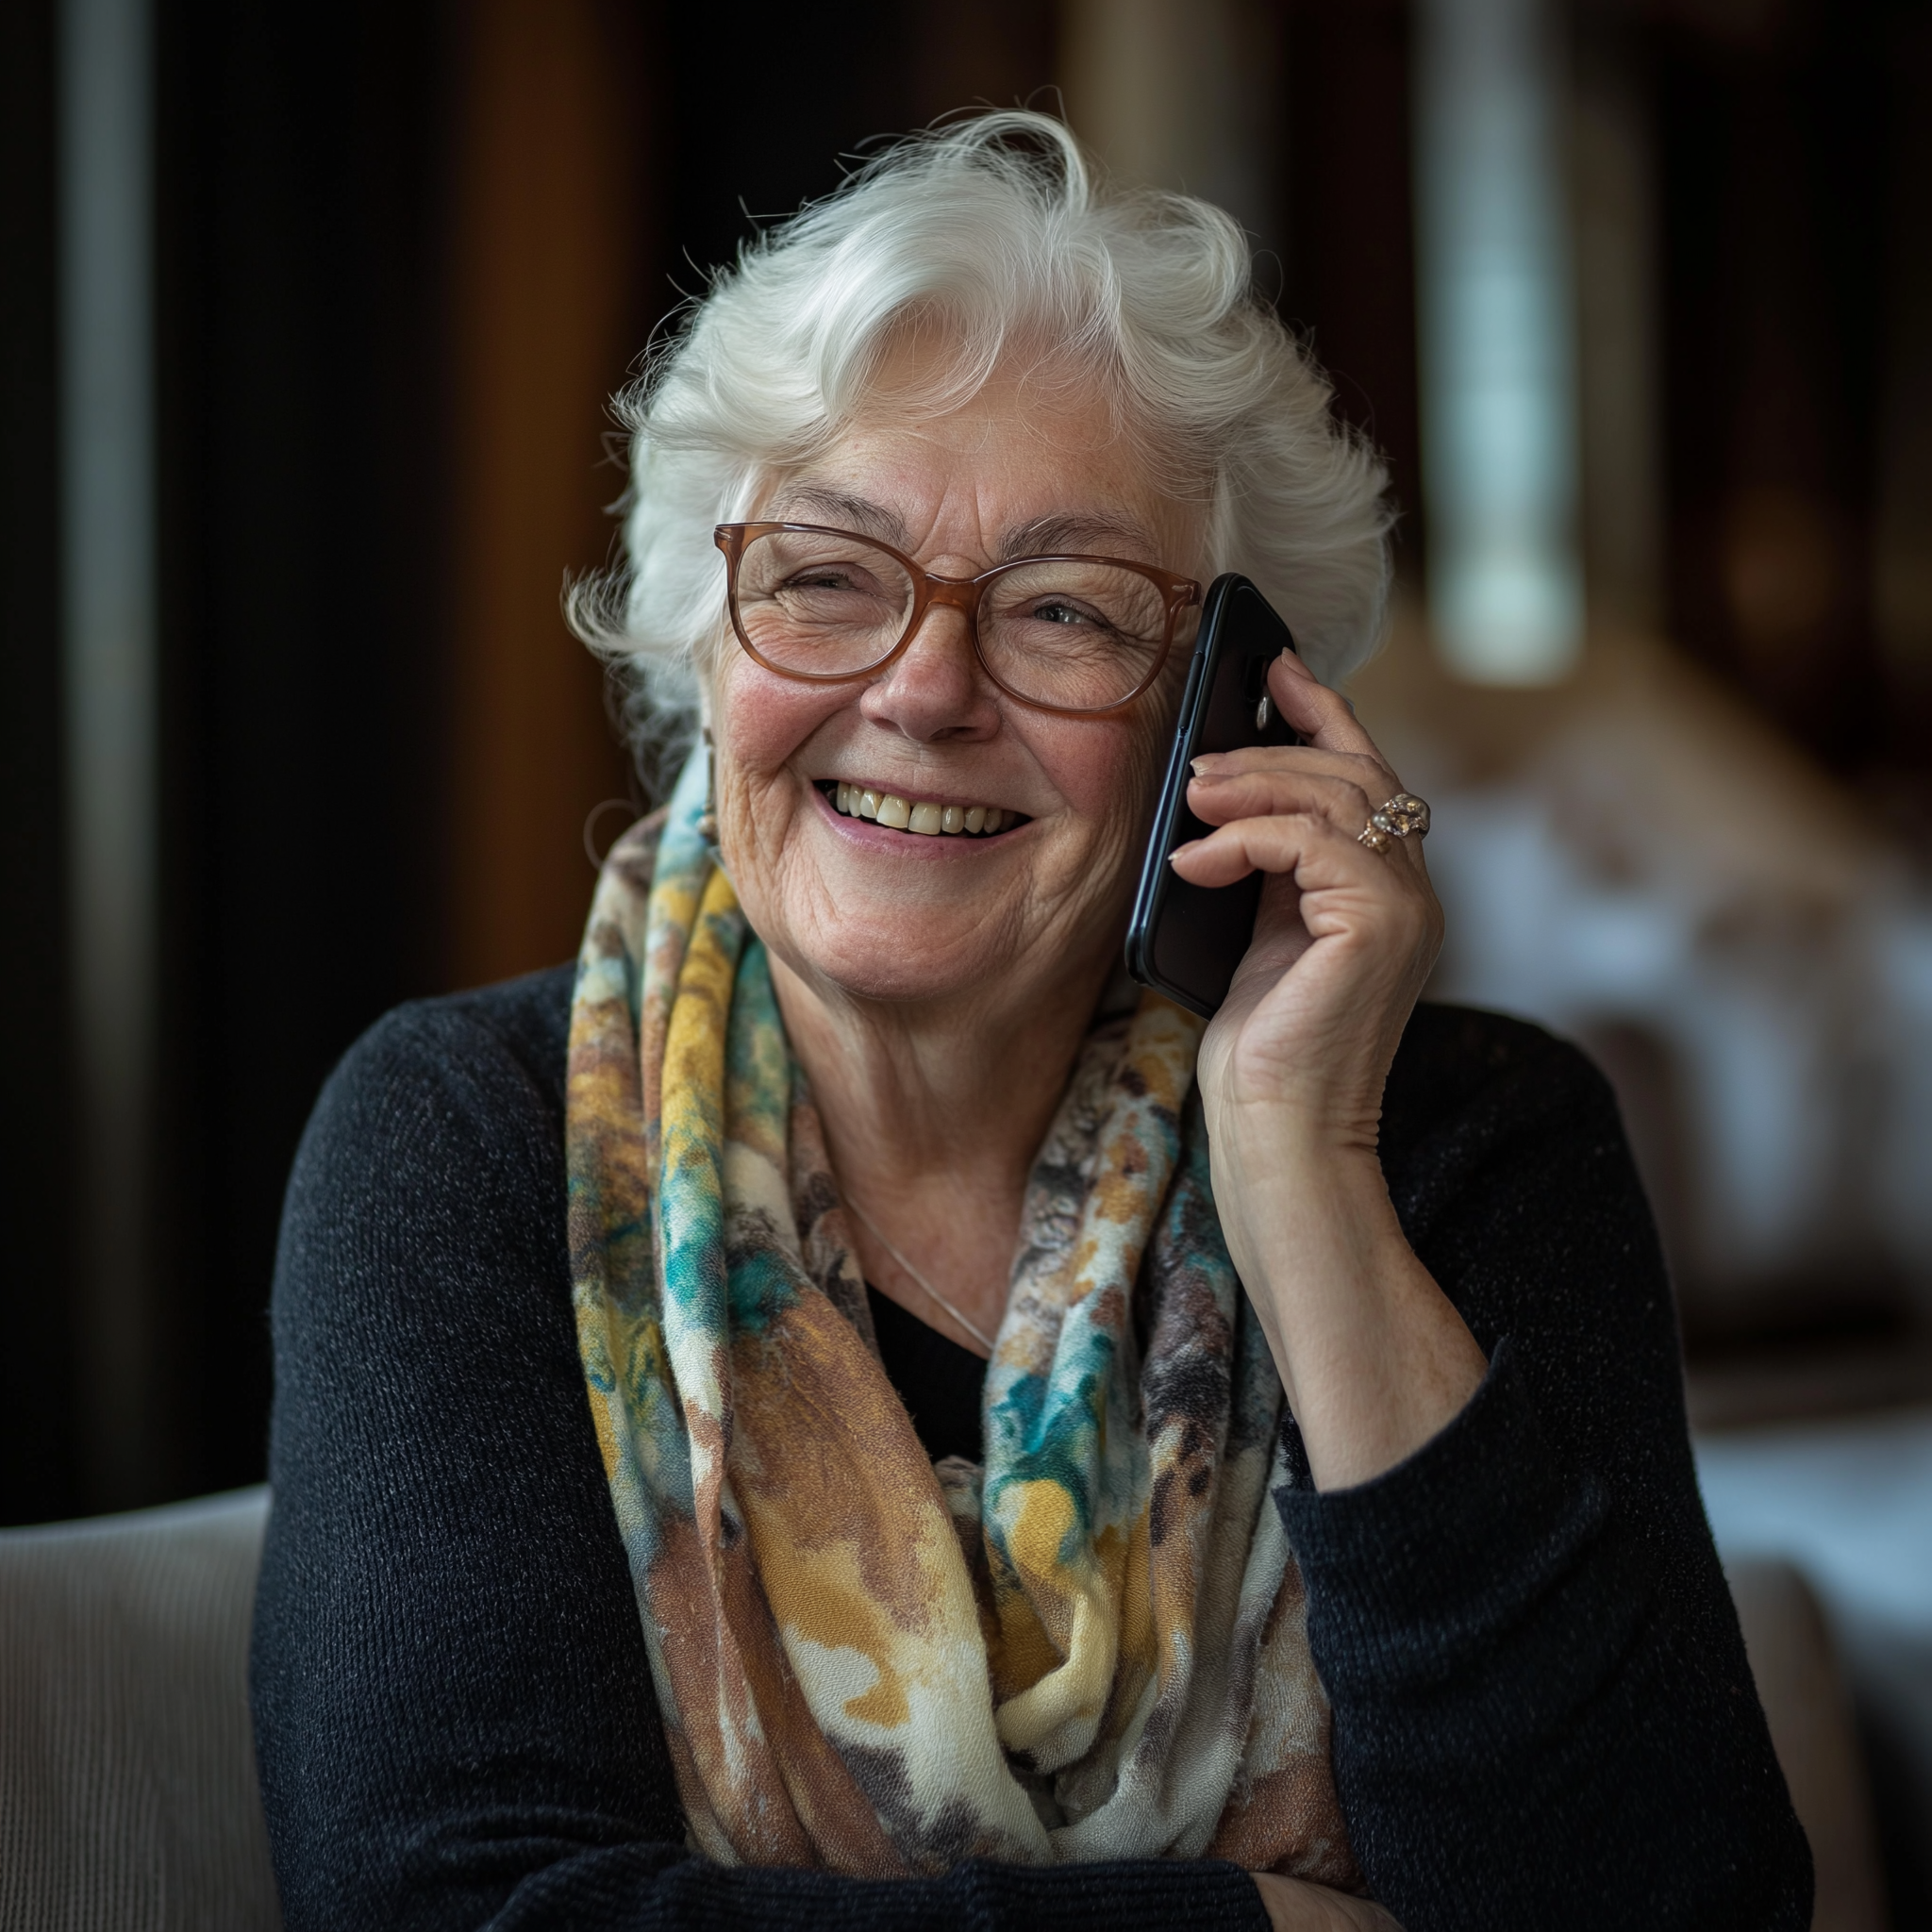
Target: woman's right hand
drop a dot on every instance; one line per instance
(1295, 1905)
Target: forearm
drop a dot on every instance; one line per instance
(1373, 1356)
(1543, 1713)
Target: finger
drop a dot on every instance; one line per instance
(1221, 797)
(1218, 797)
(1369, 773)
(1306, 843)
(1320, 715)
(1233, 851)
(1295, 1904)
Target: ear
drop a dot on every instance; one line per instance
(708, 669)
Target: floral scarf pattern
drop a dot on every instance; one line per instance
(1091, 1646)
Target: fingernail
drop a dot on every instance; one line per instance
(1179, 849)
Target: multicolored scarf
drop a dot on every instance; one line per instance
(1092, 1646)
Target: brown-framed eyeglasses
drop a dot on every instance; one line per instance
(1074, 634)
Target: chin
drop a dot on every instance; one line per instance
(902, 962)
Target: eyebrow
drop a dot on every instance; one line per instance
(1057, 534)
(1074, 532)
(852, 513)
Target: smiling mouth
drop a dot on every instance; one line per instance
(920, 815)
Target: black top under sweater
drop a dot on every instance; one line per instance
(939, 1382)
(1543, 1715)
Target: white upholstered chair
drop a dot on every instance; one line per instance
(127, 1791)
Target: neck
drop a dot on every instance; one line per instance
(933, 1114)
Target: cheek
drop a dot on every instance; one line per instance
(1151, 734)
(1136, 754)
(1109, 773)
(762, 720)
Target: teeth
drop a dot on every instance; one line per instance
(918, 815)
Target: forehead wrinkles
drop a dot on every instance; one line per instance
(1058, 532)
(898, 484)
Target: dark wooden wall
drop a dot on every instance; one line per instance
(38, 1180)
(299, 233)
(406, 251)
(1783, 136)
(404, 255)
(1348, 280)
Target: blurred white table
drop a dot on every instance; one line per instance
(1849, 1503)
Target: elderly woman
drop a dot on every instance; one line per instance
(840, 1412)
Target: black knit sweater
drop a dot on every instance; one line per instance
(1543, 1717)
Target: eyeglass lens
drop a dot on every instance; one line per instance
(1075, 635)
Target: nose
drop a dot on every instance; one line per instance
(935, 691)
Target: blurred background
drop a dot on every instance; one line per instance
(307, 323)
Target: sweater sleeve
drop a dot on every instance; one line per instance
(1544, 1715)
(453, 1714)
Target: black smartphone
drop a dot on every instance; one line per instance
(1186, 940)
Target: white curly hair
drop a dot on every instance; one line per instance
(986, 233)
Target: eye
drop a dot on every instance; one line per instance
(832, 585)
(1061, 610)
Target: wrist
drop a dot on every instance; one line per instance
(1304, 1117)
(1373, 1358)
(1324, 1152)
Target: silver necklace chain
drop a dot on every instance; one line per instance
(972, 1329)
